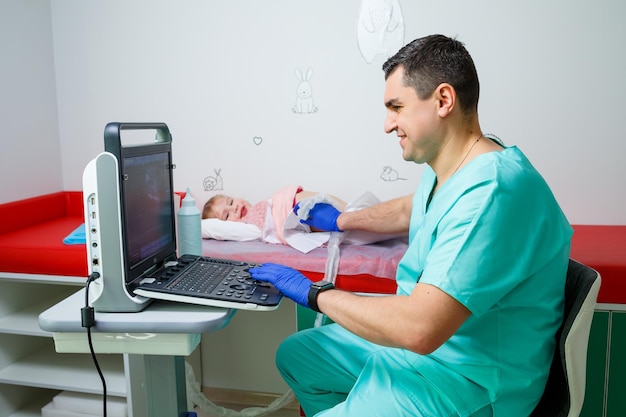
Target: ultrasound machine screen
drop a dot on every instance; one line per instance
(147, 196)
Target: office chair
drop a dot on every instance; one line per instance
(565, 389)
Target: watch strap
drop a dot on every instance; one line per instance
(315, 289)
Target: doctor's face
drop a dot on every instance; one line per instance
(414, 120)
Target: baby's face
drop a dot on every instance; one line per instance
(229, 208)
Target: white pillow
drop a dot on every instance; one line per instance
(228, 230)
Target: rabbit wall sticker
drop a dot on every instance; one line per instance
(304, 93)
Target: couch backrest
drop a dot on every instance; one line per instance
(31, 211)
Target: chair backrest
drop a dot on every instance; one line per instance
(565, 390)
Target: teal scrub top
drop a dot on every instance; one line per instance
(494, 238)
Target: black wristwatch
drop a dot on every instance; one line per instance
(316, 288)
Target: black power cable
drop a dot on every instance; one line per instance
(88, 320)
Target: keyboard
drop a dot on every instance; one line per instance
(220, 279)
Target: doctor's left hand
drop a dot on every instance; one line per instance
(287, 280)
(322, 216)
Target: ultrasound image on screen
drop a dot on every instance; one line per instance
(147, 200)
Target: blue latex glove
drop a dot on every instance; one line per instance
(287, 280)
(322, 216)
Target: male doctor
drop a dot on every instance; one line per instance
(470, 331)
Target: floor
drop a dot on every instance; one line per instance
(285, 412)
(234, 401)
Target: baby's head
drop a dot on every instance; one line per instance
(225, 208)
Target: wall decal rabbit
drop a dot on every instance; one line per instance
(304, 94)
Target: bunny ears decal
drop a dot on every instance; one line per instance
(380, 31)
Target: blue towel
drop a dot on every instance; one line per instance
(77, 237)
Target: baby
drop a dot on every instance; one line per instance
(275, 222)
(239, 210)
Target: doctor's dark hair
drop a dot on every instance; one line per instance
(436, 59)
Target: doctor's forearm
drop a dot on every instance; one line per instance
(391, 216)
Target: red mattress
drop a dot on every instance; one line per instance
(603, 248)
(32, 233)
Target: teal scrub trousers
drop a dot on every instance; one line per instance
(335, 373)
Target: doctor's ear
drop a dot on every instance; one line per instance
(445, 95)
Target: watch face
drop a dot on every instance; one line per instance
(315, 289)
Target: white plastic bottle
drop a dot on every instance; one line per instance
(189, 227)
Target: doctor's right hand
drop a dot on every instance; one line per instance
(292, 283)
(322, 216)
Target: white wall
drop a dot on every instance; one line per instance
(30, 161)
(223, 73)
